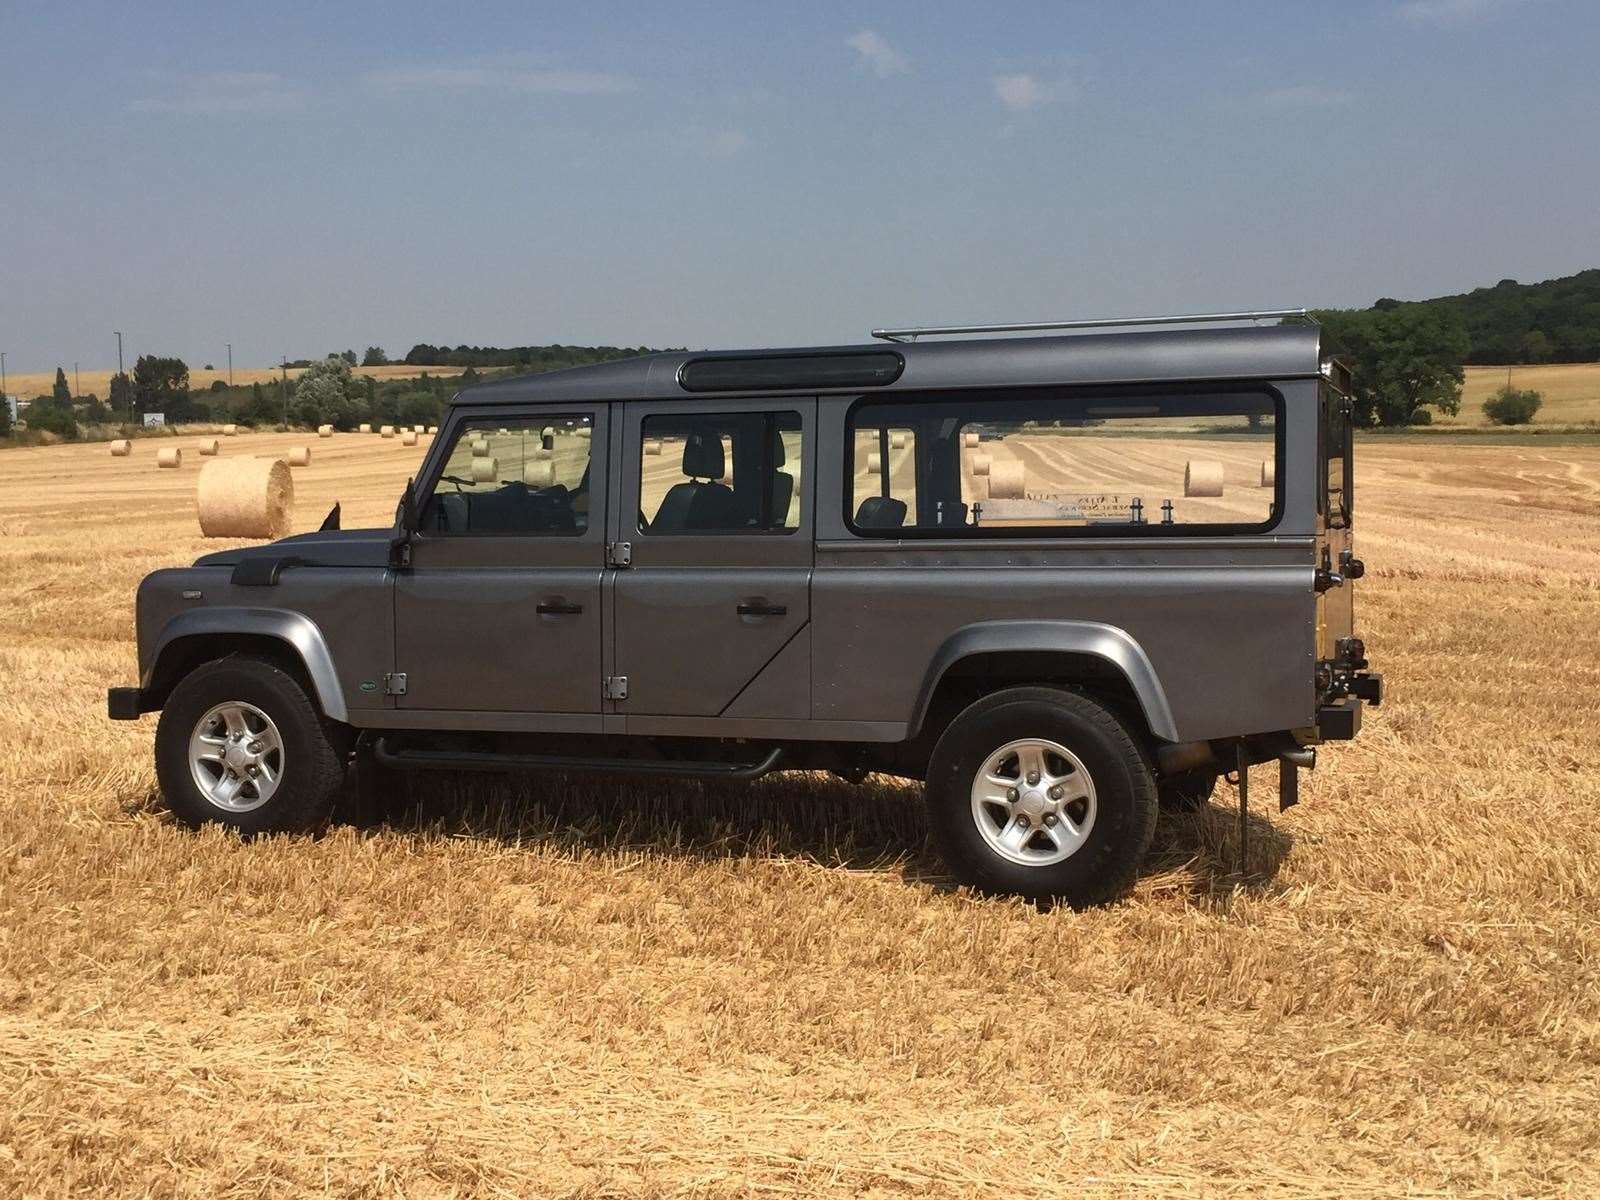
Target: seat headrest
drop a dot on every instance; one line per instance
(881, 512)
(778, 456)
(702, 454)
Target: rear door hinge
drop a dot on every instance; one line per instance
(615, 687)
(394, 683)
(619, 554)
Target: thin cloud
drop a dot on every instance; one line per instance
(1306, 96)
(877, 54)
(1024, 92)
(506, 79)
(716, 143)
(225, 92)
(1453, 12)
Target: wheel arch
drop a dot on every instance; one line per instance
(202, 635)
(1100, 657)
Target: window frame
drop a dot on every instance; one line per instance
(1083, 394)
(450, 436)
(767, 412)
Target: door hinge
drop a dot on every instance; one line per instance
(615, 687)
(619, 554)
(394, 683)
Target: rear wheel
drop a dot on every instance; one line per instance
(1042, 793)
(240, 744)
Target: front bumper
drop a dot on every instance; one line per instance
(126, 704)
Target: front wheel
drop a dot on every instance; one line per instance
(1042, 793)
(240, 744)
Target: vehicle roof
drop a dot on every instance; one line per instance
(1160, 356)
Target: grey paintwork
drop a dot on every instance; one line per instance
(1166, 356)
(1216, 636)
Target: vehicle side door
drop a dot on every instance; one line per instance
(500, 608)
(711, 616)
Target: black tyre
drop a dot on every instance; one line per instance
(240, 743)
(1042, 793)
(1186, 793)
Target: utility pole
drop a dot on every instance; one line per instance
(77, 381)
(230, 364)
(283, 393)
(3, 392)
(118, 332)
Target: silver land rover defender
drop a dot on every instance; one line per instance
(1064, 578)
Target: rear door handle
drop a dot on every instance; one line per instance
(749, 608)
(557, 608)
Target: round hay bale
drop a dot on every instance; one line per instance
(121, 448)
(1202, 477)
(387, 431)
(169, 456)
(1007, 481)
(1269, 472)
(548, 432)
(981, 463)
(432, 429)
(485, 470)
(209, 448)
(652, 448)
(538, 474)
(324, 430)
(365, 428)
(874, 463)
(897, 441)
(585, 431)
(408, 438)
(300, 456)
(416, 429)
(230, 431)
(969, 440)
(480, 447)
(245, 498)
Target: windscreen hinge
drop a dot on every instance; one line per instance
(394, 683)
(619, 554)
(614, 687)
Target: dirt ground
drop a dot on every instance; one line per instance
(592, 989)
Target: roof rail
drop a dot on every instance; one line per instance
(1265, 314)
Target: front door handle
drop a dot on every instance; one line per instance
(557, 608)
(759, 608)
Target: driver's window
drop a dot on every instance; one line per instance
(526, 476)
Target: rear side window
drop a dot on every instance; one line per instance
(720, 473)
(527, 476)
(1048, 462)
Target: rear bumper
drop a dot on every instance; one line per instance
(1340, 720)
(126, 704)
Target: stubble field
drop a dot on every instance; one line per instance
(568, 988)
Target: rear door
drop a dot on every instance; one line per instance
(716, 508)
(1336, 507)
(500, 609)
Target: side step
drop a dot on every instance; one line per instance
(475, 760)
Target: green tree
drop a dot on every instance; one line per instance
(1537, 346)
(61, 393)
(47, 415)
(121, 394)
(1512, 406)
(374, 357)
(1403, 357)
(5, 417)
(161, 385)
(325, 393)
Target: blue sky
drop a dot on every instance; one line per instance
(297, 178)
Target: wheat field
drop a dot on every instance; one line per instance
(28, 384)
(564, 988)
